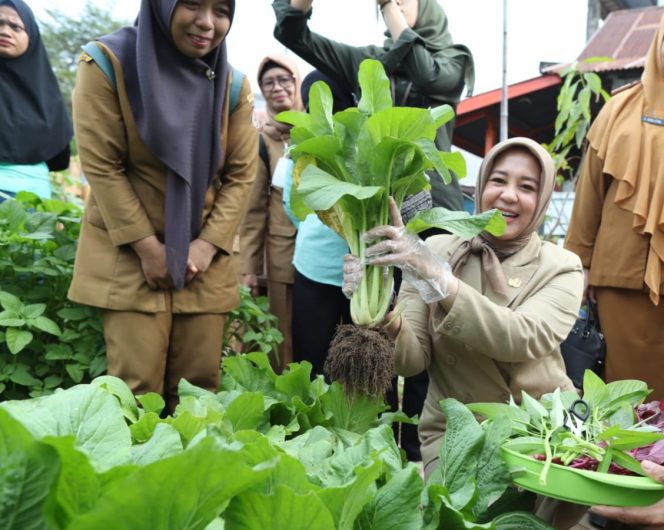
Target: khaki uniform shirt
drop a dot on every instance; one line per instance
(127, 202)
(485, 349)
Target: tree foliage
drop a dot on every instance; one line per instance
(63, 36)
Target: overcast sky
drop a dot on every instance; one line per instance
(539, 30)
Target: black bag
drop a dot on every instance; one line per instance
(584, 348)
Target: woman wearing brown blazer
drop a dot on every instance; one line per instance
(617, 224)
(267, 237)
(170, 177)
(485, 316)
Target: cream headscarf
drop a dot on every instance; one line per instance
(491, 249)
(628, 136)
(271, 127)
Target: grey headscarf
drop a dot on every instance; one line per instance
(177, 103)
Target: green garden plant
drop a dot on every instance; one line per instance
(267, 451)
(46, 341)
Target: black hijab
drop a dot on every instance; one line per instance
(34, 125)
(177, 105)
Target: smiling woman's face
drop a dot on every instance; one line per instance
(199, 26)
(513, 188)
(14, 39)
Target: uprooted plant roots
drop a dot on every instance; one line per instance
(361, 359)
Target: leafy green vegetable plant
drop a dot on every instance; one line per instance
(251, 327)
(350, 163)
(45, 341)
(267, 451)
(554, 426)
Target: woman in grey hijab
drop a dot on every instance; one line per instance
(170, 166)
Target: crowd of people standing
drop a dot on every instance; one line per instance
(174, 178)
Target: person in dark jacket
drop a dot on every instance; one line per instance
(426, 69)
(425, 66)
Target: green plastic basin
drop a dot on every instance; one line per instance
(581, 486)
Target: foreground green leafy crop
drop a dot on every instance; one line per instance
(267, 451)
(350, 163)
(552, 431)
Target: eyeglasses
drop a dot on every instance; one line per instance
(284, 81)
(16, 28)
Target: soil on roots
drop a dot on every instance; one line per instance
(361, 359)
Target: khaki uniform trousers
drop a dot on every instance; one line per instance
(151, 352)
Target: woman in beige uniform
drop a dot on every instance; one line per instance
(267, 237)
(170, 177)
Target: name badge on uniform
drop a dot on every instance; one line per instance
(281, 171)
(652, 120)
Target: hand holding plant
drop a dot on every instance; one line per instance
(428, 273)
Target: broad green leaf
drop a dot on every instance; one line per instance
(17, 339)
(375, 86)
(557, 413)
(630, 439)
(11, 321)
(321, 190)
(526, 444)
(441, 115)
(295, 118)
(78, 486)
(346, 502)
(323, 148)
(455, 162)
(396, 504)
(10, 302)
(493, 410)
(246, 411)
(118, 388)
(143, 429)
(46, 325)
(320, 109)
(297, 204)
(357, 414)
(73, 313)
(40, 225)
(459, 223)
(33, 310)
(534, 408)
(152, 402)
(13, 213)
(459, 452)
(631, 391)
(28, 471)
(627, 461)
(595, 391)
(85, 411)
(164, 443)
(493, 474)
(450, 518)
(21, 375)
(436, 157)
(282, 510)
(183, 492)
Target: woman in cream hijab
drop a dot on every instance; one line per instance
(267, 237)
(617, 225)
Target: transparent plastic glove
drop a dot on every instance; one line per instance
(353, 272)
(428, 273)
